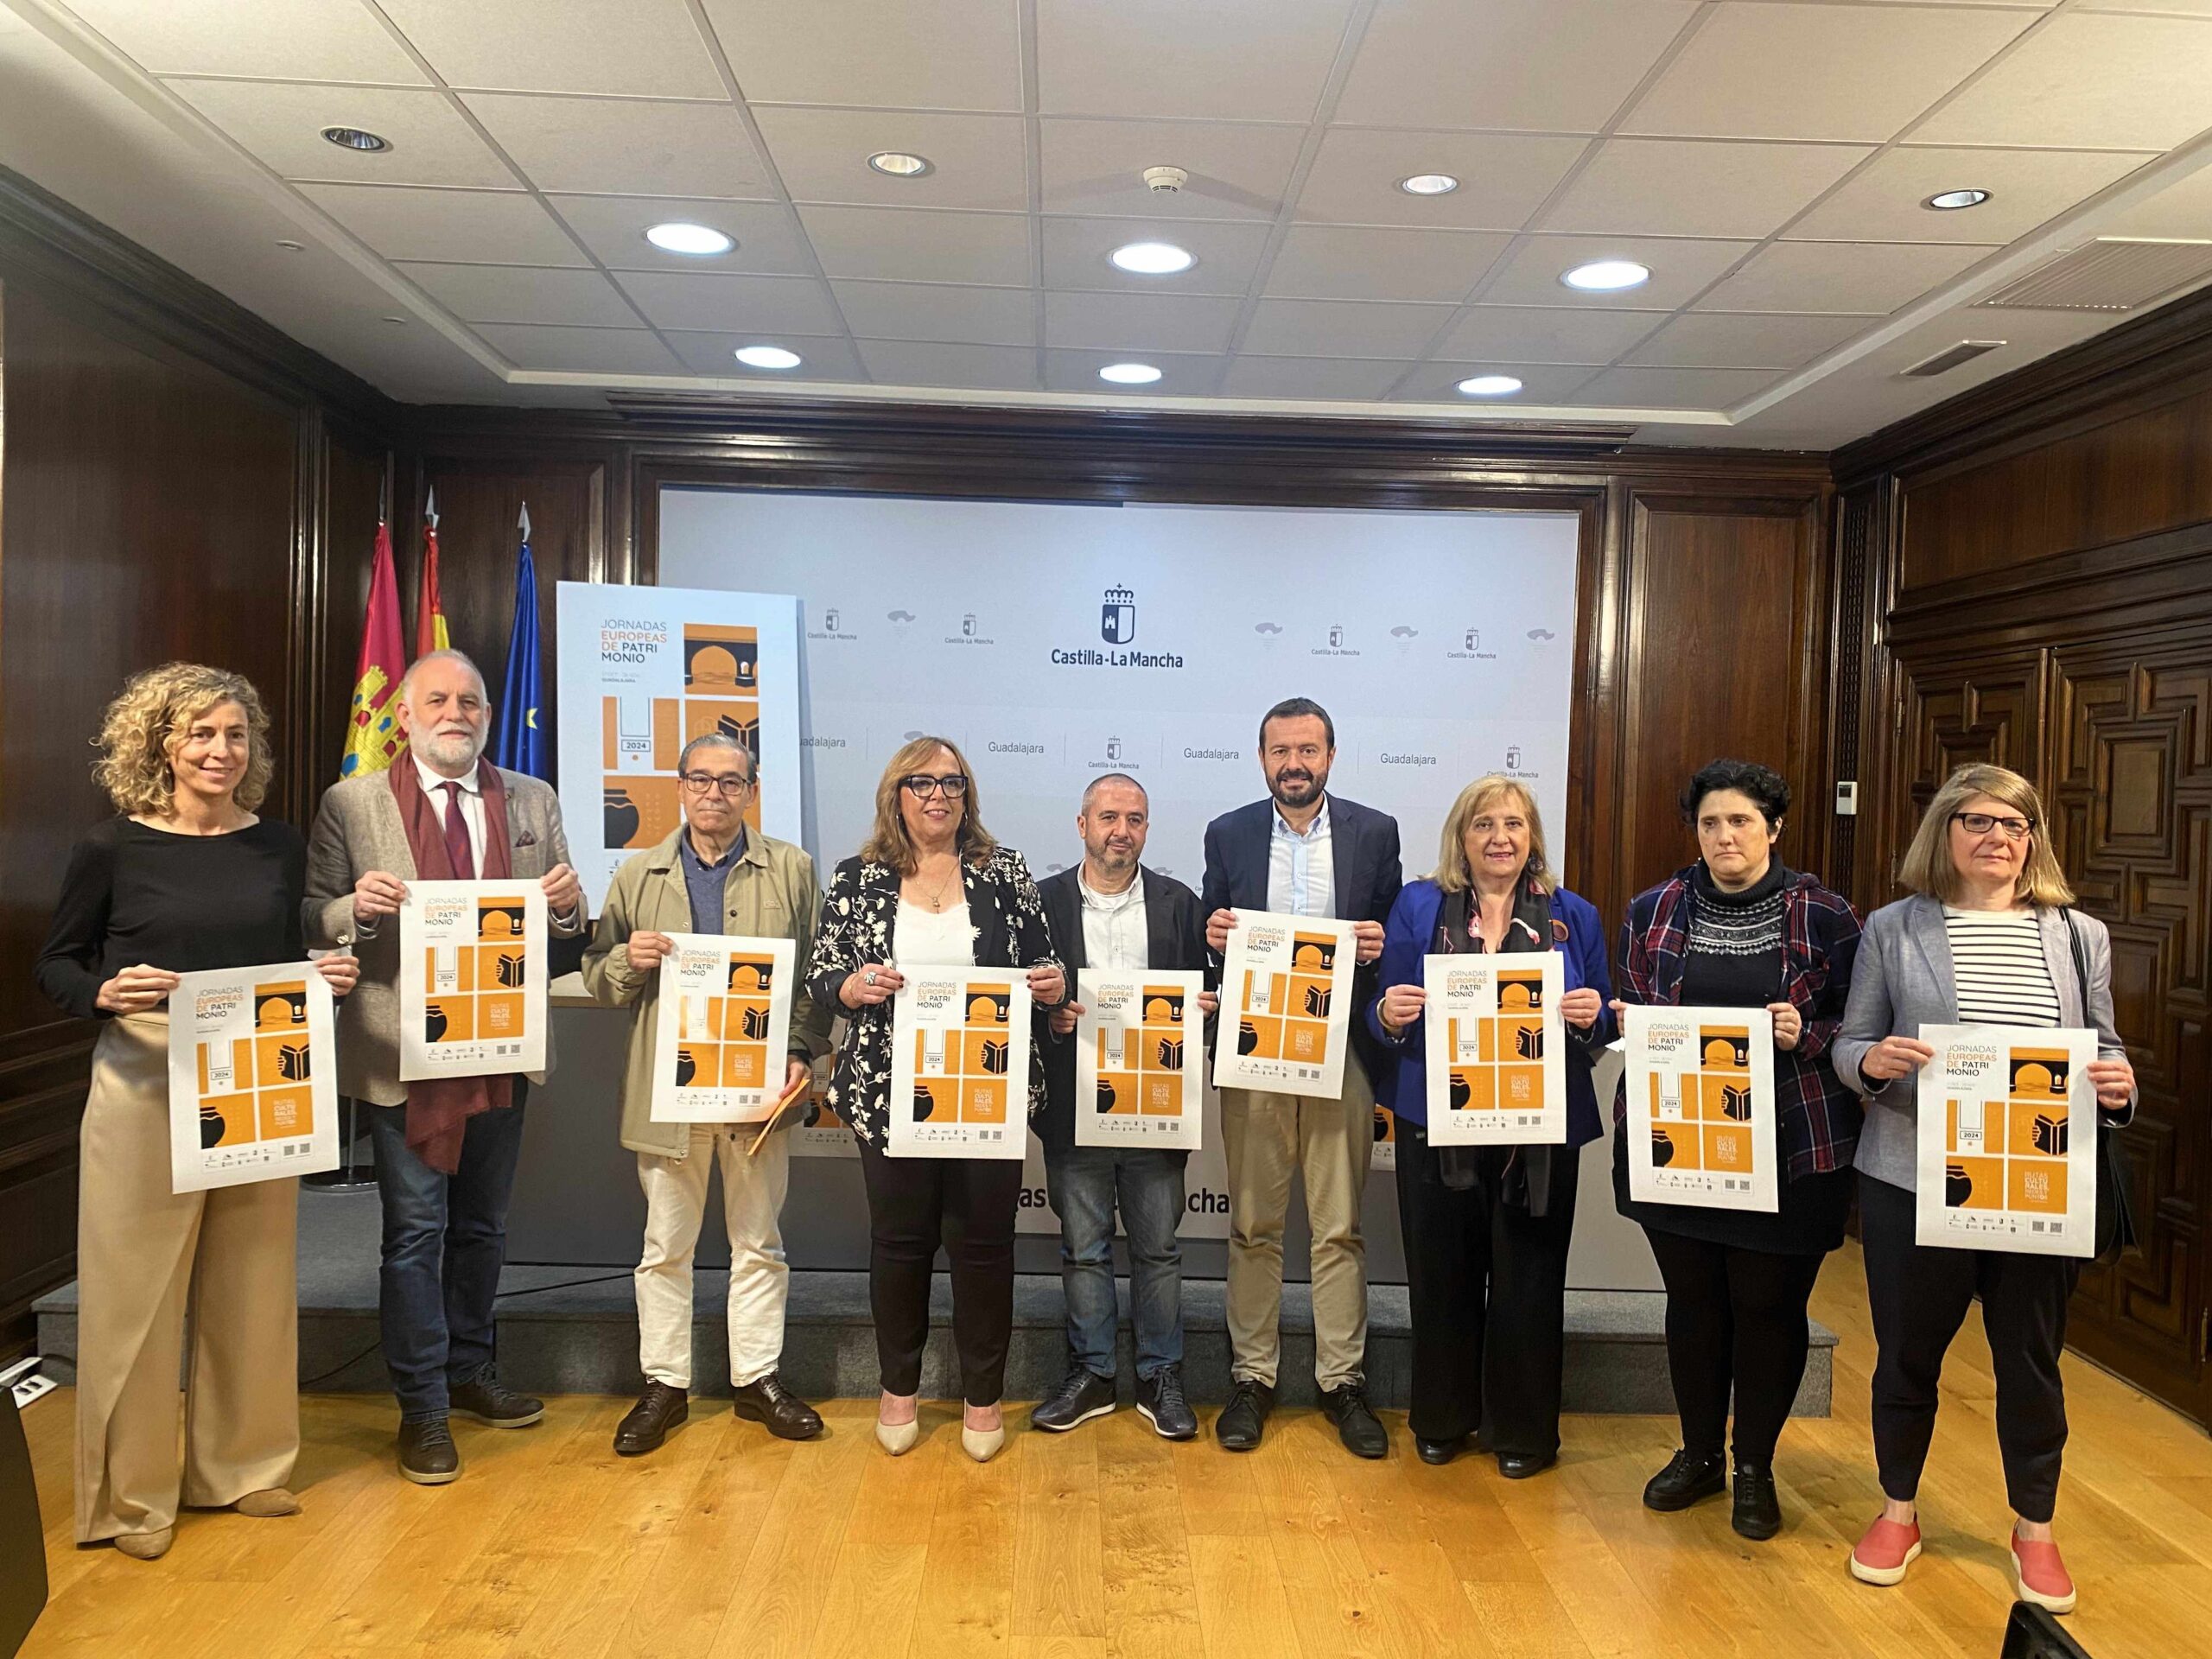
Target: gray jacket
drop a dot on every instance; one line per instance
(358, 830)
(1902, 980)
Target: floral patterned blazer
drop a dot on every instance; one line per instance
(860, 915)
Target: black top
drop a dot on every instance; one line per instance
(137, 895)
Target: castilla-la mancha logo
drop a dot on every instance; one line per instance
(1117, 616)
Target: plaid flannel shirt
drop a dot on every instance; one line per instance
(1817, 1117)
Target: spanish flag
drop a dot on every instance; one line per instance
(373, 739)
(430, 633)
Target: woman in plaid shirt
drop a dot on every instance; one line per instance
(1738, 929)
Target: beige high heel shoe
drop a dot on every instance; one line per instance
(982, 1444)
(897, 1439)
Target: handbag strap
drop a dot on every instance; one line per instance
(2081, 958)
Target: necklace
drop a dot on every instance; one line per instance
(936, 898)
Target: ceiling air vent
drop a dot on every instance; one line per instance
(1950, 357)
(2111, 274)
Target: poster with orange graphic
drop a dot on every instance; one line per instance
(817, 1131)
(723, 1029)
(960, 1064)
(2008, 1140)
(1140, 1059)
(1286, 1005)
(471, 979)
(253, 1077)
(645, 670)
(1700, 1089)
(1497, 1049)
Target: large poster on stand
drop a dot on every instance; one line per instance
(644, 671)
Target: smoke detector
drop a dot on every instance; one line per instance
(1165, 180)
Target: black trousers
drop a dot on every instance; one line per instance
(1918, 1297)
(967, 1204)
(1486, 1284)
(1735, 1322)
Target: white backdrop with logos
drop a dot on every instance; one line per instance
(1054, 642)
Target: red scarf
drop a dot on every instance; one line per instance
(438, 1109)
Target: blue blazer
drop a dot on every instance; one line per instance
(1364, 848)
(1411, 935)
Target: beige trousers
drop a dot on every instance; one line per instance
(1268, 1138)
(759, 1279)
(148, 1263)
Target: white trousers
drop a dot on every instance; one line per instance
(759, 1279)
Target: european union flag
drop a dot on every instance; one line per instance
(521, 743)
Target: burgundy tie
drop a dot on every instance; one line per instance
(458, 853)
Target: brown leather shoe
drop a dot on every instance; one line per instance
(787, 1417)
(659, 1409)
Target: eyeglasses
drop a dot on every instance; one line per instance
(700, 782)
(921, 786)
(1981, 824)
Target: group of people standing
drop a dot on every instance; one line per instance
(188, 877)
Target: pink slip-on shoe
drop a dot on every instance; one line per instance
(1888, 1548)
(2041, 1575)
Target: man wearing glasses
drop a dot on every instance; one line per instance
(713, 875)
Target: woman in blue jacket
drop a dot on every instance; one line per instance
(1486, 1227)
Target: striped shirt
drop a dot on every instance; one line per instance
(1997, 960)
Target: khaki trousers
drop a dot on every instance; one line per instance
(759, 1279)
(151, 1262)
(1267, 1138)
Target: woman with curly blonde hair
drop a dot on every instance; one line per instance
(184, 878)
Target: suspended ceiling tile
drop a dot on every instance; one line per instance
(1711, 339)
(524, 293)
(1729, 81)
(916, 245)
(977, 160)
(822, 357)
(788, 305)
(627, 146)
(934, 363)
(1180, 376)
(1236, 171)
(1885, 202)
(648, 48)
(1503, 177)
(1140, 322)
(579, 350)
(1335, 262)
(1675, 187)
(274, 39)
(1674, 388)
(1298, 379)
(1076, 252)
(1541, 382)
(1342, 328)
(282, 126)
(614, 228)
(1533, 66)
(2089, 81)
(940, 312)
(1138, 58)
(934, 54)
(484, 226)
(1679, 267)
(1529, 334)
(1865, 278)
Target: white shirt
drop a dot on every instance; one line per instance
(1114, 924)
(1301, 869)
(471, 803)
(934, 938)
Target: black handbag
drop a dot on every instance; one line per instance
(2116, 1181)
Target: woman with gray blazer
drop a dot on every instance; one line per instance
(1986, 937)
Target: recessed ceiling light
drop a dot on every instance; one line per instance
(1490, 385)
(899, 164)
(1429, 184)
(355, 138)
(290, 246)
(1130, 374)
(1607, 276)
(1152, 258)
(1950, 200)
(700, 241)
(767, 357)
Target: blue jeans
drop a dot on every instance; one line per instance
(445, 1240)
(1084, 1183)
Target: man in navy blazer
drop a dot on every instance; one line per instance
(1302, 852)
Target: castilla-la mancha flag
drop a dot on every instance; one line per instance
(430, 632)
(373, 739)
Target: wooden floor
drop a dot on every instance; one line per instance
(1111, 1542)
